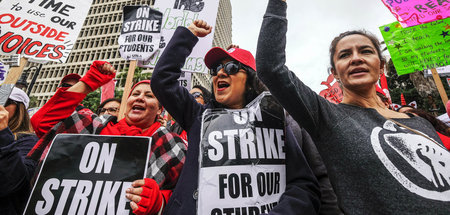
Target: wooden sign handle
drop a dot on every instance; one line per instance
(127, 89)
(439, 85)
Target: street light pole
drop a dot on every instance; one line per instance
(35, 75)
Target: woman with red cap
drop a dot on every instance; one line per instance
(234, 85)
(140, 119)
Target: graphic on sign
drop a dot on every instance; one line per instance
(3, 72)
(419, 47)
(141, 32)
(334, 92)
(88, 174)
(416, 12)
(242, 159)
(43, 30)
(183, 13)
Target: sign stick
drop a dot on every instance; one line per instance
(13, 75)
(439, 85)
(127, 89)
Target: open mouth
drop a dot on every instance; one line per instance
(138, 108)
(222, 85)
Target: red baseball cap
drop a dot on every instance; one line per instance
(217, 54)
(73, 76)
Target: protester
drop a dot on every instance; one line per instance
(16, 140)
(233, 88)
(200, 95)
(142, 110)
(109, 106)
(361, 141)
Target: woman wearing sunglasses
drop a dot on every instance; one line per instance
(234, 85)
(16, 140)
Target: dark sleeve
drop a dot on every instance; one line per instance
(305, 106)
(175, 98)
(16, 170)
(302, 194)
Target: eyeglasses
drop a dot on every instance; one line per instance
(9, 102)
(110, 110)
(65, 85)
(230, 68)
(197, 95)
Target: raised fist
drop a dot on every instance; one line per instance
(200, 28)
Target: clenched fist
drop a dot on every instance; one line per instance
(200, 28)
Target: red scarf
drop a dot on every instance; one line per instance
(123, 129)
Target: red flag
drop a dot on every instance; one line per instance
(108, 90)
(402, 98)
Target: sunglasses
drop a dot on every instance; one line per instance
(230, 68)
(110, 110)
(65, 85)
(197, 95)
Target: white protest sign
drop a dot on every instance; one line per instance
(442, 71)
(89, 174)
(242, 159)
(3, 72)
(183, 13)
(185, 80)
(41, 29)
(141, 32)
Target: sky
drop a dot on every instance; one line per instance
(312, 25)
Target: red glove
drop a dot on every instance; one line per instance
(151, 198)
(94, 78)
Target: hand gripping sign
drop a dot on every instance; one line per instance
(141, 32)
(88, 174)
(242, 158)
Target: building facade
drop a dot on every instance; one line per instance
(98, 41)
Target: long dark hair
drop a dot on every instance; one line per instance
(20, 121)
(253, 87)
(438, 125)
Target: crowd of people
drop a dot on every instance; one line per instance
(356, 157)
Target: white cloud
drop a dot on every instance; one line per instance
(312, 26)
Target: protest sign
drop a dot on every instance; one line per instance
(442, 71)
(88, 174)
(3, 72)
(416, 12)
(10, 80)
(333, 93)
(242, 158)
(42, 30)
(419, 47)
(185, 80)
(141, 32)
(183, 13)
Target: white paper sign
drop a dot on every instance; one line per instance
(185, 80)
(41, 29)
(183, 13)
(141, 32)
(242, 159)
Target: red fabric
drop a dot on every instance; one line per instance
(62, 104)
(151, 198)
(183, 135)
(402, 98)
(445, 140)
(384, 86)
(94, 78)
(122, 128)
(108, 91)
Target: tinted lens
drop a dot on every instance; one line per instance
(197, 95)
(65, 85)
(231, 68)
